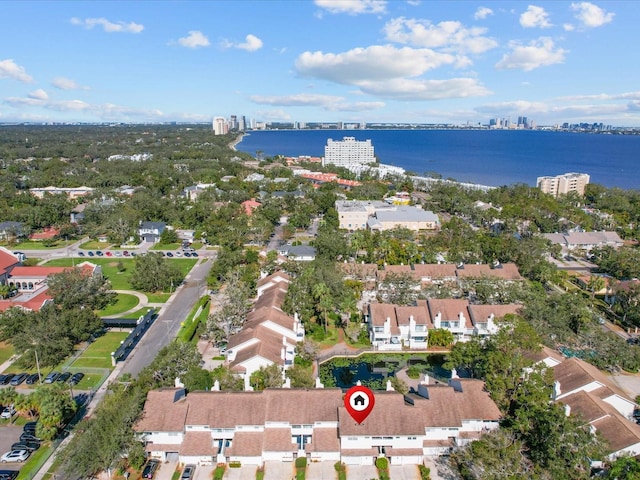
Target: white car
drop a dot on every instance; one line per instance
(8, 412)
(15, 456)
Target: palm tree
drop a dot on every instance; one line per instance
(321, 294)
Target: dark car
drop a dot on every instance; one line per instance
(30, 427)
(99, 253)
(91, 254)
(8, 474)
(28, 437)
(28, 446)
(51, 377)
(81, 254)
(75, 378)
(7, 378)
(169, 254)
(187, 254)
(63, 377)
(18, 379)
(33, 378)
(150, 468)
(194, 254)
(2, 375)
(187, 473)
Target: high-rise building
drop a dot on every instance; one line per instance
(563, 184)
(348, 152)
(220, 126)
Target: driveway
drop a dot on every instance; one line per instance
(321, 471)
(277, 470)
(166, 470)
(9, 434)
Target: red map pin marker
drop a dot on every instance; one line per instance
(359, 402)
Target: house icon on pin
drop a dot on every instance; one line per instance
(359, 400)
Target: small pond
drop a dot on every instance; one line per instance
(373, 370)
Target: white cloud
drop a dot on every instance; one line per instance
(38, 94)
(568, 27)
(374, 63)
(415, 90)
(353, 7)
(603, 96)
(591, 15)
(482, 13)
(539, 53)
(326, 102)
(10, 69)
(448, 35)
(535, 17)
(251, 44)
(107, 26)
(195, 39)
(67, 84)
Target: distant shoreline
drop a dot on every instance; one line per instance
(236, 141)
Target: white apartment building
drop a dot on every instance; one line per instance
(220, 126)
(348, 152)
(563, 184)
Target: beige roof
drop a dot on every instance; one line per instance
(390, 452)
(274, 277)
(246, 444)
(271, 297)
(355, 452)
(273, 314)
(435, 271)
(506, 271)
(588, 407)
(574, 373)
(324, 440)
(400, 270)
(379, 312)
(358, 270)
(302, 406)
(449, 308)
(162, 413)
(269, 347)
(420, 315)
(198, 444)
(220, 409)
(480, 313)
(545, 352)
(618, 432)
(278, 440)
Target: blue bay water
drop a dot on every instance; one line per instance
(494, 157)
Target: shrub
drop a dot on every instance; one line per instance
(382, 463)
(234, 465)
(425, 472)
(301, 462)
(413, 372)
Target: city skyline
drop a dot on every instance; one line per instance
(353, 61)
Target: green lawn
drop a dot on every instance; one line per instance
(6, 351)
(120, 281)
(94, 245)
(124, 302)
(166, 246)
(98, 355)
(30, 245)
(35, 461)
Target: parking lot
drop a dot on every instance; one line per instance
(9, 434)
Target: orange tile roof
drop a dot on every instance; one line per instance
(7, 261)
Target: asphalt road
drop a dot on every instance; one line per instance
(166, 325)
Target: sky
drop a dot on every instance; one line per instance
(374, 61)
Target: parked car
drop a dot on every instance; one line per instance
(118, 253)
(51, 377)
(108, 254)
(126, 253)
(81, 254)
(18, 379)
(187, 254)
(194, 254)
(8, 474)
(75, 378)
(150, 468)
(133, 254)
(178, 253)
(7, 378)
(15, 456)
(29, 437)
(187, 473)
(63, 377)
(30, 427)
(33, 378)
(28, 446)
(8, 412)
(99, 253)
(169, 254)
(91, 254)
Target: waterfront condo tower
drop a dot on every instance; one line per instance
(348, 152)
(563, 184)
